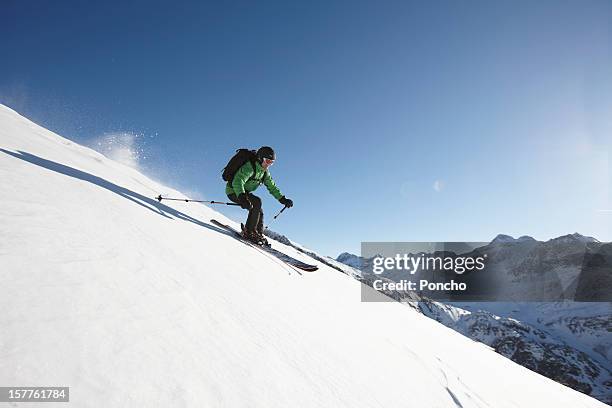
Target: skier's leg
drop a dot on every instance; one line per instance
(260, 230)
(254, 214)
(234, 198)
(260, 224)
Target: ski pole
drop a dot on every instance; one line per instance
(279, 213)
(160, 198)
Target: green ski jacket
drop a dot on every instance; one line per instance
(246, 181)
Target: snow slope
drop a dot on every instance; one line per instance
(564, 341)
(134, 303)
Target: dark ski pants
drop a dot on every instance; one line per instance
(255, 219)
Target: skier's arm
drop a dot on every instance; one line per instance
(243, 174)
(271, 186)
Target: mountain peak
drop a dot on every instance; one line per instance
(502, 238)
(345, 255)
(575, 237)
(350, 260)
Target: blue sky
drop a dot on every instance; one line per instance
(392, 121)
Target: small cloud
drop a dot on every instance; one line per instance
(438, 185)
(121, 147)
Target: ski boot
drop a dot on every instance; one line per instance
(262, 239)
(254, 237)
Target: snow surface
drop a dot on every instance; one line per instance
(134, 303)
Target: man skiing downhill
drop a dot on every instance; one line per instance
(247, 179)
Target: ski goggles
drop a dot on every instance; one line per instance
(269, 162)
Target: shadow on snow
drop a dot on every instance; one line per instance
(146, 202)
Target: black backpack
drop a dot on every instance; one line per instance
(242, 156)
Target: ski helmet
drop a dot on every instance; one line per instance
(266, 152)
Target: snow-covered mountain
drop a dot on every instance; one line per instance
(135, 303)
(567, 341)
(350, 260)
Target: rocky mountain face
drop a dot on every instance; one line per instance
(570, 267)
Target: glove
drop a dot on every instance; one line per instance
(286, 202)
(244, 202)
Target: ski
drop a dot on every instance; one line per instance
(278, 254)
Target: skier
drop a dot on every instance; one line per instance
(245, 180)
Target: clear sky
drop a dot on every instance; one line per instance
(392, 121)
